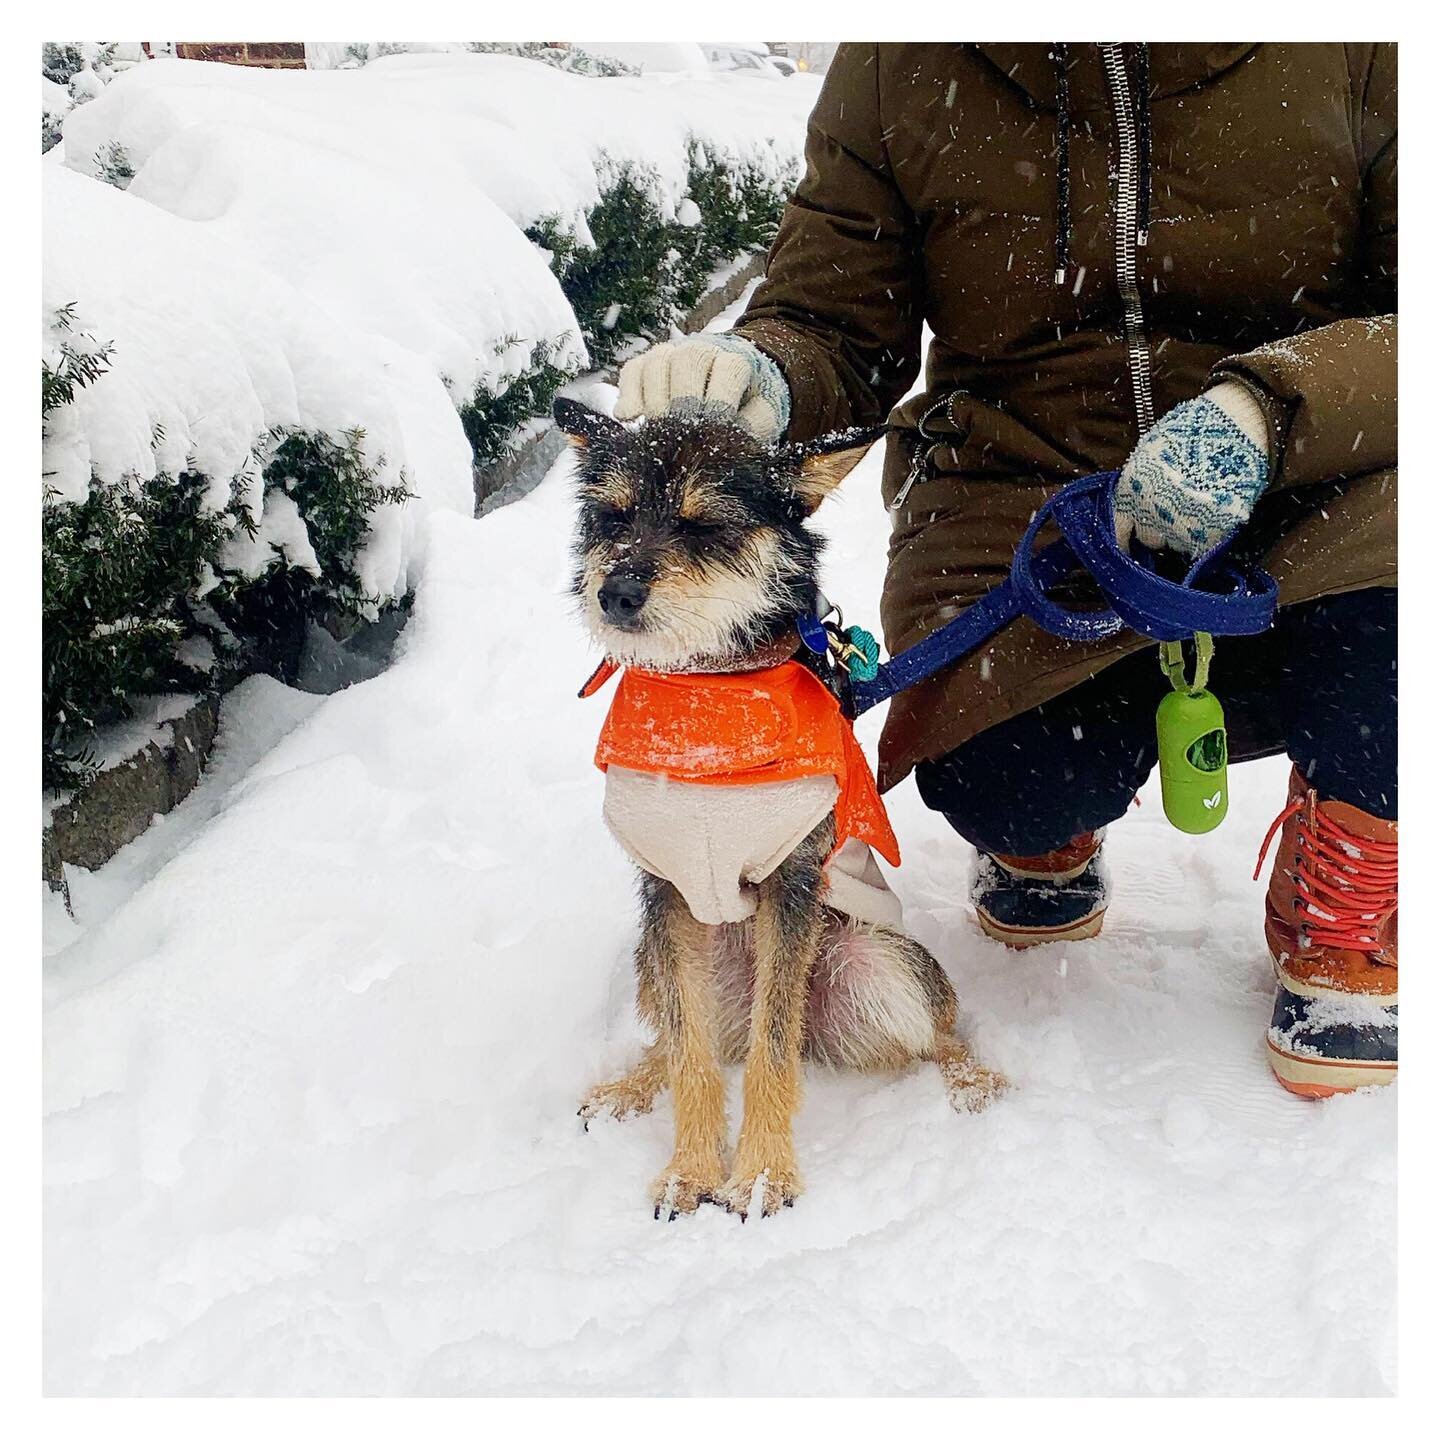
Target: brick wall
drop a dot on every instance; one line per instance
(276, 54)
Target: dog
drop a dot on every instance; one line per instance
(763, 939)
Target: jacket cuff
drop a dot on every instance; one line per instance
(1274, 409)
(1256, 414)
(1329, 394)
(816, 397)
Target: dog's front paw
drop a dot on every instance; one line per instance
(619, 1100)
(632, 1094)
(972, 1087)
(680, 1188)
(759, 1189)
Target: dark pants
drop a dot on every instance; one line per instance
(1321, 686)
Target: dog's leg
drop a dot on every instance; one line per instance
(675, 964)
(633, 1093)
(787, 940)
(970, 1085)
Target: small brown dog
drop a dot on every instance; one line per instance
(762, 940)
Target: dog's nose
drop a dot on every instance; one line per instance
(621, 598)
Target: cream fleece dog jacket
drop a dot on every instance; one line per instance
(715, 843)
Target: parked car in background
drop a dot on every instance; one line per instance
(743, 57)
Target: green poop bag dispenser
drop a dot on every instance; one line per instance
(1190, 729)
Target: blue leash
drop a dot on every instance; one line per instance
(1214, 597)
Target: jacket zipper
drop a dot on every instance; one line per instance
(922, 451)
(1127, 243)
(1127, 208)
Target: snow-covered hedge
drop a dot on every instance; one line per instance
(73, 72)
(209, 428)
(319, 298)
(352, 54)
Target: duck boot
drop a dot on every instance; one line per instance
(1024, 900)
(1331, 928)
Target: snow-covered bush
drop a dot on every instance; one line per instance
(493, 418)
(55, 104)
(116, 570)
(352, 54)
(218, 453)
(637, 271)
(74, 71)
(634, 188)
(319, 298)
(382, 206)
(649, 56)
(564, 57)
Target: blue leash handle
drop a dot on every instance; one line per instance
(1214, 596)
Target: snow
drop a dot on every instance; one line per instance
(315, 1132)
(281, 529)
(344, 249)
(212, 351)
(346, 194)
(54, 99)
(534, 139)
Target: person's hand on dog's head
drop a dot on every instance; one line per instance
(717, 374)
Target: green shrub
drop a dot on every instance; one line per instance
(577, 62)
(117, 570)
(112, 165)
(740, 212)
(623, 284)
(491, 418)
(335, 492)
(76, 364)
(641, 272)
(133, 575)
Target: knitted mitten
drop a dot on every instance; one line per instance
(722, 373)
(1196, 474)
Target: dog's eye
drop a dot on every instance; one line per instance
(700, 528)
(610, 521)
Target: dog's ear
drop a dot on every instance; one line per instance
(581, 424)
(821, 464)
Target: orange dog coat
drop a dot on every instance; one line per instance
(748, 728)
(712, 780)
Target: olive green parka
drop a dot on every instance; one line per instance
(1092, 234)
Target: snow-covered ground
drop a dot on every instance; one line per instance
(314, 1044)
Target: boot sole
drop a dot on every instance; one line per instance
(1021, 937)
(1316, 1078)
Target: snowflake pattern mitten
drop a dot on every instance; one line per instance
(1196, 474)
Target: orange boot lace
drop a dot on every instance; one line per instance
(1347, 885)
